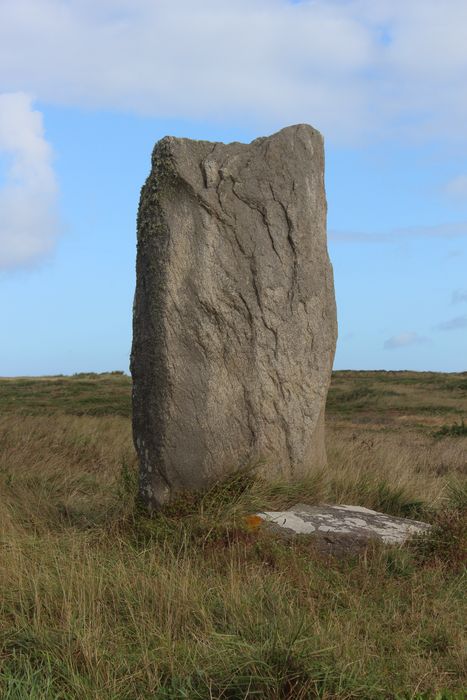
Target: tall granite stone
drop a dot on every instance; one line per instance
(234, 326)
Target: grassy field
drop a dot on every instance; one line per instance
(99, 602)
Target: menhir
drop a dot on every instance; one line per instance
(234, 327)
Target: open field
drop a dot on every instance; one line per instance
(99, 602)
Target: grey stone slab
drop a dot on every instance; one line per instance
(354, 522)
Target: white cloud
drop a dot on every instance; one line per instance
(453, 324)
(28, 196)
(398, 234)
(404, 340)
(353, 69)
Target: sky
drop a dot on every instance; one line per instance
(88, 86)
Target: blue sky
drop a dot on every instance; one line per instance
(87, 88)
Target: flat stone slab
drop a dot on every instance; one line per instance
(338, 525)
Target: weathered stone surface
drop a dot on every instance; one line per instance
(234, 317)
(342, 528)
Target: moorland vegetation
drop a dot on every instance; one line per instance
(100, 602)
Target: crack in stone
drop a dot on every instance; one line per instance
(263, 215)
(290, 228)
(270, 328)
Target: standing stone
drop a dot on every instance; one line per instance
(234, 327)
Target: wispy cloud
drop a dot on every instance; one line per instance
(453, 324)
(404, 340)
(452, 254)
(390, 67)
(459, 296)
(396, 235)
(28, 198)
(457, 188)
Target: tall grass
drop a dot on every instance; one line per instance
(97, 601)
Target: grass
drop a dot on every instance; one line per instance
(107, 394)
(453, 430)
(398, 395)
(97, 601)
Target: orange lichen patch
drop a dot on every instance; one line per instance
(253, 521)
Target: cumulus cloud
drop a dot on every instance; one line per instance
(351, 68)
(453, 324)
(28, 195)
(404, 340)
